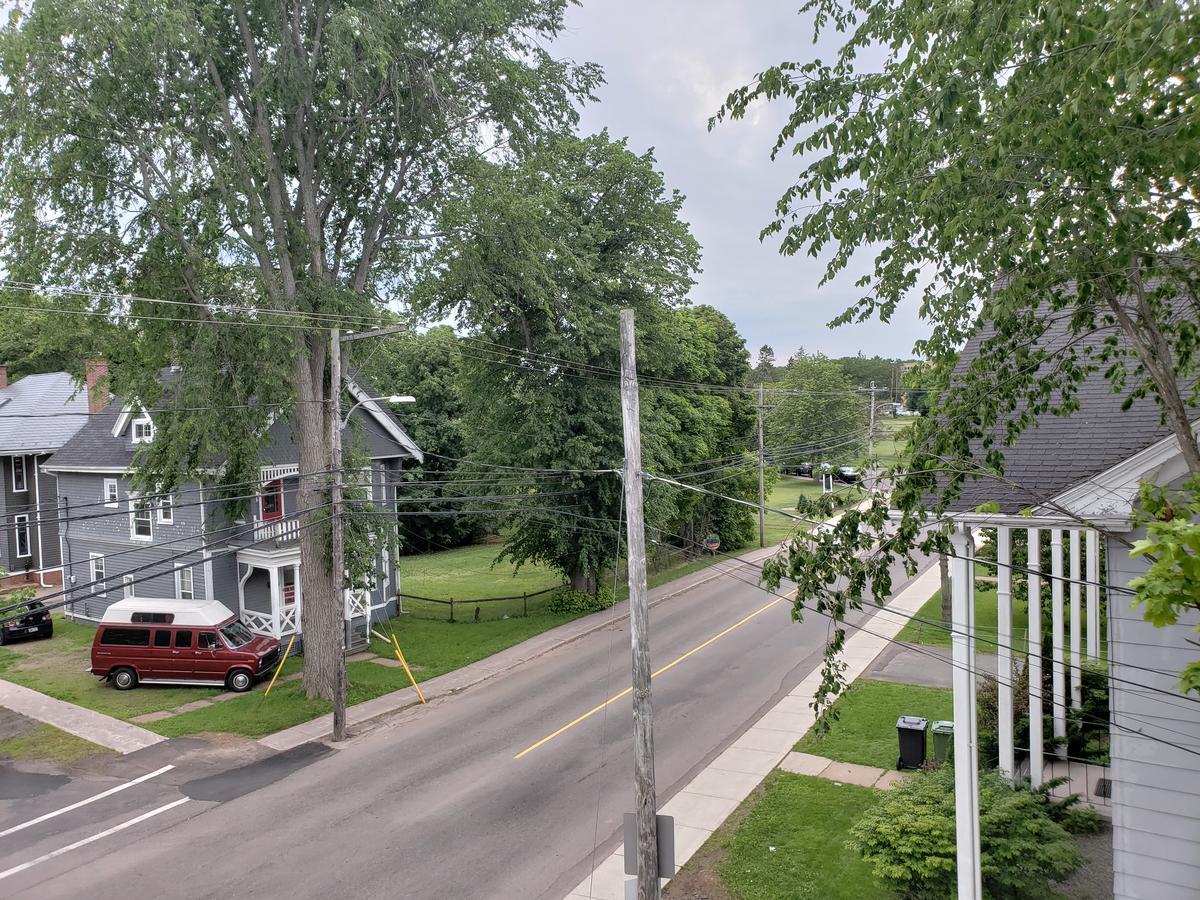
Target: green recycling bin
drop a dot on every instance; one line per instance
(943, 740)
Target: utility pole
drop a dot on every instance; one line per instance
(337, 544)
(871, 429)
(645, 801)
(762, 462)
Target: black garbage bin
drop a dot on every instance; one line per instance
(911, 730)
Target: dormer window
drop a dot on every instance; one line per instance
(142, 429)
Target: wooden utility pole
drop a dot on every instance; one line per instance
(645, 801)
(871, 430)
(762, 462)
(337, 543)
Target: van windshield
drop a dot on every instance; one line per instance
(236, 634)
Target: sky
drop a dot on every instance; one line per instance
(668, 65)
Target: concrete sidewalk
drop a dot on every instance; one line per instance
(704, 803)
(498, 663)
(85, 723)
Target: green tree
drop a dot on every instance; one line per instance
(1014, 164)
(248, 161)
(820, 417)
(429, 367)
(765, 369)
(862, 370)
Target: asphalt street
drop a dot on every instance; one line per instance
(436, 801)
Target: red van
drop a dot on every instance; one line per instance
(149, 641)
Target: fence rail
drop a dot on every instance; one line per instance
(454, 605)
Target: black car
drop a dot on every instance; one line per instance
(34, 621)
(804, 469)
(848, 475)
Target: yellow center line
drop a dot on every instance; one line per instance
(672, 664)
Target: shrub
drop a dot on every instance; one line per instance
(908, 837)
(570, 602)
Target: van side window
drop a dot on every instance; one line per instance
(183, 639)
(125, 637)
(162, 639)
(153, 618)
(208, 640)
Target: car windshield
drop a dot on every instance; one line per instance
(236, 634)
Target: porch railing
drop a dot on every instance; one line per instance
(1091, 781)
(279, 529)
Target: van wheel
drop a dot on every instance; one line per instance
(124, 679)
(239, 680)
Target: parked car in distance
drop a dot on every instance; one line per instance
(148, 641)
(804, 469)
(847, 475)
(34, 620)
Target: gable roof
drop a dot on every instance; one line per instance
(1057, 453)
(41, 412)
(103, 443)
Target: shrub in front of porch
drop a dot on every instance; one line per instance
(908, 837)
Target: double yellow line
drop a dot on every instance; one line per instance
(672, 664)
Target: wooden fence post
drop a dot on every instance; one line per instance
(525, 603)
(451, 609)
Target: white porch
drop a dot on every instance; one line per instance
(270, 598)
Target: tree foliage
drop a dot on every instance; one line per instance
(1020, 165)
(821, 417)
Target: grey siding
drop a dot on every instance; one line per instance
(38, 502)
(1156, 787)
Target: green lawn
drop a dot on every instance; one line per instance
(926, 626)
(792, 846)
(470, 573)
(865, 730)
(888, 449)
(45, 742)
(788, 489)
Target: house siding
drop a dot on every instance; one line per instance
(1156, 786)
(38, 501)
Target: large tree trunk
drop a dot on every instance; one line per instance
(322, 615)
(583, 581)
(947, 600)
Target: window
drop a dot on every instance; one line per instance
(162, 639)
(143, 429)
(236, 634)
(153, 618)
(21, 531)
(208, 640)
(110, 492)
(127, 581)
(98, 586)
(18, 466)
(141, 524)
(166, 509)
(272, 500)
(183, 639)
(126, 637)
(183, 584)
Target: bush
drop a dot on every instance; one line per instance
(908, 837)
(570, 602)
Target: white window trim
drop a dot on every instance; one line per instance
(24, 475)
(143, 419)
(111, 501)
(21, 523)
(179, 583)
(99, 579)
(127, 590)
(166, 510)
(133, 509)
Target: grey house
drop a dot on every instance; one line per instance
(1077, 478)
(116, 544)
(38, 415)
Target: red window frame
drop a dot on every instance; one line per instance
(270, 502)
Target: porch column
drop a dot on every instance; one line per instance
(1076, 624)
(242, 579)
(1093, 593)
(1058, 671)
(1034, 581)
(1004, 669)
(273, 572)
(966, 796)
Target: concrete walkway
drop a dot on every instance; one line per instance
(840, 772)
(921, 665)
(704, 803)
(85, 723)
(497, 664)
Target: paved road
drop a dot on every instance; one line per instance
(431, 803)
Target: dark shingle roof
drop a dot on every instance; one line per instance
(1058, 452)
(41, 412)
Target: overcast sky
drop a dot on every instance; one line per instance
(668, 66)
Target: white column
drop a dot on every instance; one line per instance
(276, 601)
(1076, 623)
(1093, 593)
(966, 798)
(1034, 580)
(1004, 647)
(1058, 670)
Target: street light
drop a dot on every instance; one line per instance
(395, 398)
